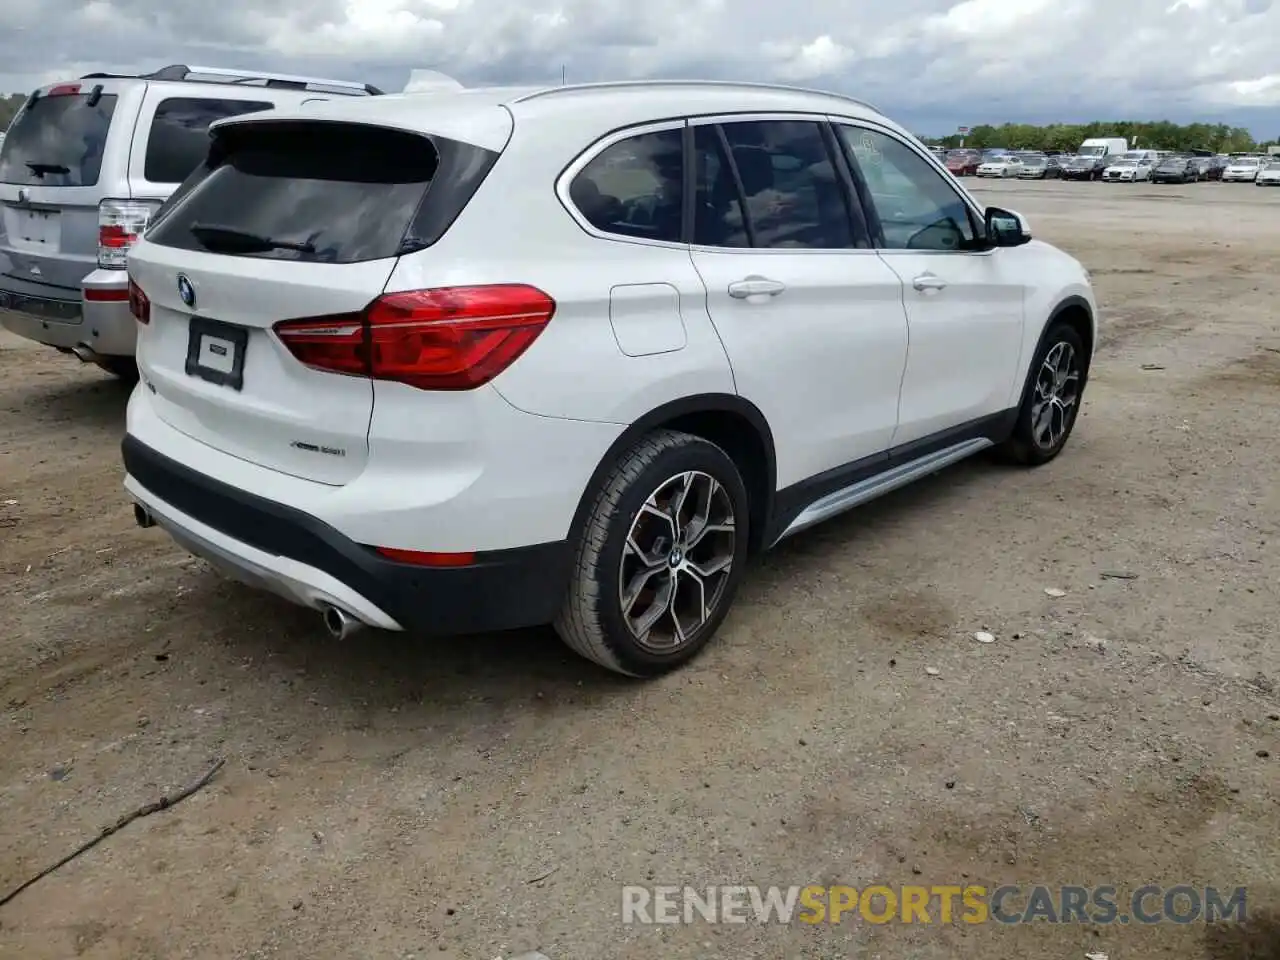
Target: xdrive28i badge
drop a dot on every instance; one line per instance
(186, 291)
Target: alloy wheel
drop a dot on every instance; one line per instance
(676, 561)
(1057, 394)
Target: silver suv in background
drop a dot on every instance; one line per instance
(85, 165)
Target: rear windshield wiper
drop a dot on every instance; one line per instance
(217, 238)
(40, 169)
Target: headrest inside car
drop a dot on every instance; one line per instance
(755, 168)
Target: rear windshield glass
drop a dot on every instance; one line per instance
(58, 141)
(320, 192)
(179, 138)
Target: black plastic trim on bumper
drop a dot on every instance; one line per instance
(503, 589)
(47, 309)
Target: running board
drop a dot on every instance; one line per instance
(863, 491)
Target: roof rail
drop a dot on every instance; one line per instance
(182, 72)
(628, 84)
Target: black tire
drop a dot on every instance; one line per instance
(126, 368)
(1027, 444)
(592, 620)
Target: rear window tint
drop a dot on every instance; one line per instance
(57, 141)
(179, 137)
(635, 187)
(326, 192)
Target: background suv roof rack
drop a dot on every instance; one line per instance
(194, 74)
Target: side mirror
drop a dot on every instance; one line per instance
(1006, 228)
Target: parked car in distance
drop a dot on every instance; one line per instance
(1039, 168)
(1085, 167)
(1004, 165)
(1216, 165)
(963, 163)
(368, 386)
(1269, 175)
(85, 165)
(1241, 170)
(1175, 170)
(1108, 148)
(1127, 171)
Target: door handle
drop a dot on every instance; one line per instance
(927, 281)
(755, 286)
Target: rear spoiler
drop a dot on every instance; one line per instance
(62, 89)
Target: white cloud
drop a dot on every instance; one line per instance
(961, 60)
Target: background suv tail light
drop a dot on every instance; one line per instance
(120, 223)
(452, 338)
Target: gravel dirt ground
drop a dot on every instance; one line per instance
(386, 797)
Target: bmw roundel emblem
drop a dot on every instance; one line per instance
(186, 291)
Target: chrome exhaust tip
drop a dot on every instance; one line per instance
(340, 624)
(141, 517)
(85, 353)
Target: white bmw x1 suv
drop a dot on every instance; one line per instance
(504, 357)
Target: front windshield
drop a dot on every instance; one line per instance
(1126, 163)
(1093, 151)
(1274, 165)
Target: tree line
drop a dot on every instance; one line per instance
(1154, 135)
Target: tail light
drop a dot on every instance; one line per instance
(120, 224)
(139, 304)
(452, 338)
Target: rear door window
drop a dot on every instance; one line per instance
(179, 137)
(792, 196)
(58, 141)
(319, 192)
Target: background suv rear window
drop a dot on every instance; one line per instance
(58, 141)
(179, 138)
(320, 192)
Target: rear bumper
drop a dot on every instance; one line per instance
(109, 327)
(48, 320)
(293, 554)
(98, 318)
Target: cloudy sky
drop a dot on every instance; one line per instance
(933, 63)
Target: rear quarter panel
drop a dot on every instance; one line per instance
(515, 230)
